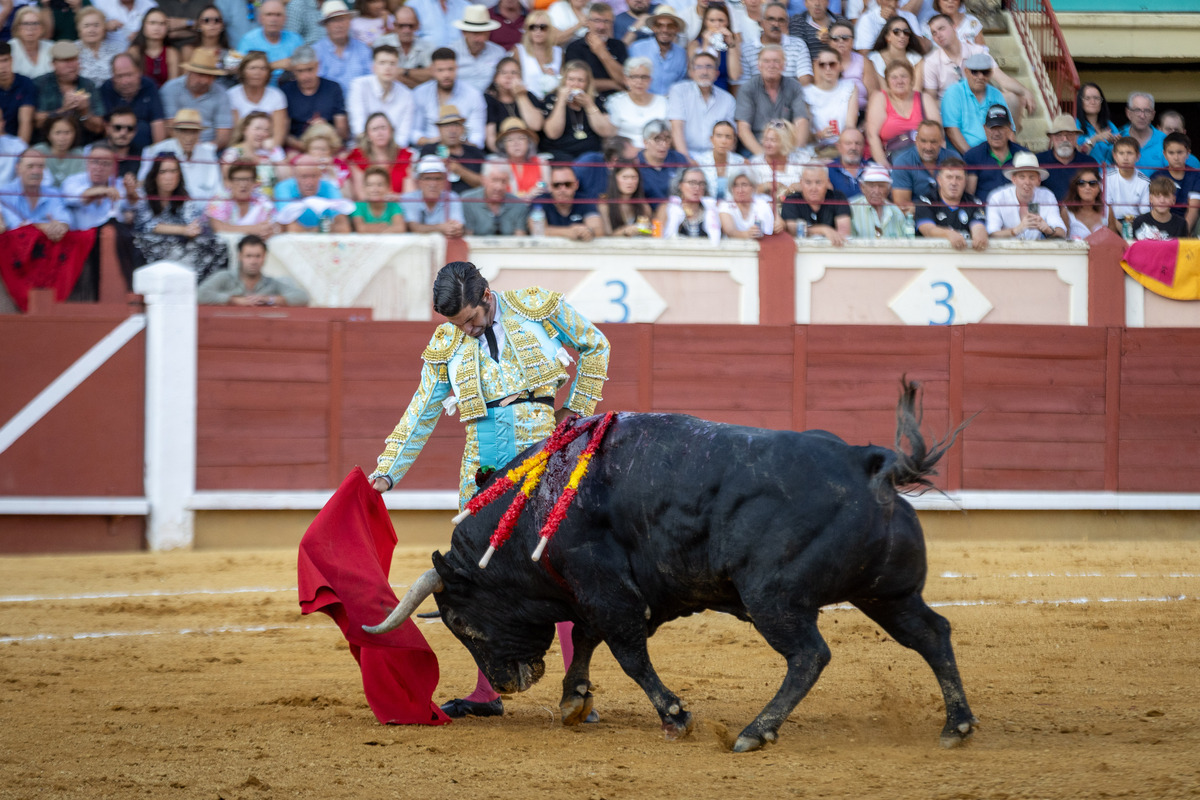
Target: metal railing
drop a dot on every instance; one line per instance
(1054, 69)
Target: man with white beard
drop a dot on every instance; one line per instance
(1062, 160)
(695, 106)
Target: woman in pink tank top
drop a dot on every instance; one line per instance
(894, 114)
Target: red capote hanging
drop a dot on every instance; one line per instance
(343, 569)
(29, 260)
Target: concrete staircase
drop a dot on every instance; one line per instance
(1010, 56)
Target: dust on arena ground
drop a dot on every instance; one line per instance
(193, 675)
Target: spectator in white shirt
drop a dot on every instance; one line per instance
(1024, 210)
(477, 57)
(695, 106)
(866, 30)
(632, 109)
(447, 90)
(380, 91)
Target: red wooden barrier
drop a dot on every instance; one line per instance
(286, 405)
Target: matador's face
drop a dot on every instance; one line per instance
(473, 320)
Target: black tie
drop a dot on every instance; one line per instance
(493, 348)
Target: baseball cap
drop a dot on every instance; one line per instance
(998, 116)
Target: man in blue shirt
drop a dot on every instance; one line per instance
(914, 172)
(311, 98)
(341, 57)
(128, 88)
(846, 169)
(1139, 109)
(432, 208)
(965, 104)
(437, 24)
(292, 194)
(986, 160)
(658, 162)
(271, 38)
(631, 24)
(667, 56)
(54, 256)
(197, 89)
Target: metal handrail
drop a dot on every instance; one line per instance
(1054, 70)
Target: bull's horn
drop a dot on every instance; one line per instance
(422, 587)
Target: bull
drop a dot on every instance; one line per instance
(679, 515)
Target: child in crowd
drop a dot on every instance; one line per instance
(376, 214)
(1160, 223)
(1126, 189)
(1176, 149)
(373, 21)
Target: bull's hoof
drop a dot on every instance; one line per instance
(748, 742)
(957, 735)
(576, 709)
(677, 726)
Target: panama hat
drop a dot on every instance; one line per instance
(204, 61)
(1063, 123)
(515, 125)
(334, 8)
(448, 115)
(1025, 162)
(188, 118)
(668, 12)
(64, 51)
(476, 19)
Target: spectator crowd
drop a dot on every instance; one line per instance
(178, 120)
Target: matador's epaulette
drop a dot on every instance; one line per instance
(534, 302)
(445, 341)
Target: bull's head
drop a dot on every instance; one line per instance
(487, 618)
(490, 621)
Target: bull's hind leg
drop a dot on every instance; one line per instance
(915, 625)
(800, 642)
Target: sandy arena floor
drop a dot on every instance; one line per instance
(193, 675)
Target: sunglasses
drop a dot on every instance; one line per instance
(538, 27)
(125, 128)
(1087, 183)
(901, 31)
(206, 20)
(980, 71)
(408, 26)
(563, 185)
(841, 38)
(830, 64)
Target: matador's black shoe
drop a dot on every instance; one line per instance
(459, 708)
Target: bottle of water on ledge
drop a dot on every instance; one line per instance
(537, 221)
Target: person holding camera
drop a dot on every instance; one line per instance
(577, 121)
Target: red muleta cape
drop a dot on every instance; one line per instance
(343, 569)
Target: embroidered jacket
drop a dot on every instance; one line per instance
(458, 377)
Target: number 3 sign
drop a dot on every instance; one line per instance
(940, 296)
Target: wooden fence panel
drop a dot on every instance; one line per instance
(1038, 393)
(91, 442)
(1159, 447)
(854, 375)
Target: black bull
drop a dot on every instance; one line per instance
(678, 515)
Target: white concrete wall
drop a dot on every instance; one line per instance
(922, 282)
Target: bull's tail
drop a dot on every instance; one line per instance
(910, 467)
